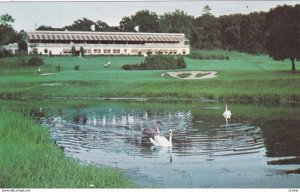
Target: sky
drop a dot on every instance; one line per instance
(29, 14)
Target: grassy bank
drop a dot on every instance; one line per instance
(243, 78)
(29, 159)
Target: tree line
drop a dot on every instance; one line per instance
(276, 32)
(233, 32)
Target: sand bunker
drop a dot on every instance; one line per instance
(46, 74)
(51, 84)
(193, 74)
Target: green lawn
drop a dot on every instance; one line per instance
(245, 77)
(29, 159)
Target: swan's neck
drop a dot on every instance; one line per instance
(157, 129)
(226, 107)
(170, 138)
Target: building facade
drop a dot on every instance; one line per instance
(12, 47)
(106, 43)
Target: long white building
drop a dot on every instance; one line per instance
(106, 43)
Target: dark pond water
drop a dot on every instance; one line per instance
(256, 149)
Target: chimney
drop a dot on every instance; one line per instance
(92, 27)
(137, 28)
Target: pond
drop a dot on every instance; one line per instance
(259, 147)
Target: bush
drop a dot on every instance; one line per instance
(158, 62)
(58, 67)
(35, 61)
(82, 51)
(77, 67)
(5, 53)
(73, 51)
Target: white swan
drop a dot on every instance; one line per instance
(227, 113)
(162, 141)
(150, 131)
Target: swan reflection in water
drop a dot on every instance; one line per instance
(163, 150)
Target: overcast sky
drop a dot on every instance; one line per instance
(59, 14)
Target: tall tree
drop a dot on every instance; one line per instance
(206, 10)
(177, 22)
(206, 31)
(283, 33)
(230, 31)
(252, 34)
(7, 33)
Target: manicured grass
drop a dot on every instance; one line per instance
(245, 77)
(29, 159)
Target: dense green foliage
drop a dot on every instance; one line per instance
(29, 159)
(158, 62)
(147, 22)
(283, 27)
(9, 35)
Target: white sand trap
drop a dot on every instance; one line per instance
(206, 74)
(45, 74)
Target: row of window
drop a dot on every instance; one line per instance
(118, 51)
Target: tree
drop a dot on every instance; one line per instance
(7, 33)
(73, 51)
(283, 33)
(102, 26)
(83, 24)
(177, 22)
(206, 32)
(81, 51)
(148, 22)
(230, 31)
(252, 33)
(22, 41)
(206, 10)
(48, 28)
(6, 20)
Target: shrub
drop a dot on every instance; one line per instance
(77, 67)
(5, 53)
(158, 62)
(35, 61)
(73, 51)
(57, 67)
(82, 51)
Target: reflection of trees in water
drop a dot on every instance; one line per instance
(282, 138)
